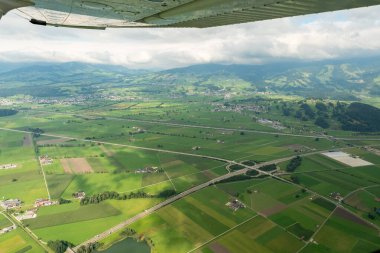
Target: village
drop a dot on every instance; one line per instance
(16, 204)
(223, 107)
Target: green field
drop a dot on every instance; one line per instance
(18, 241)
(115, 139)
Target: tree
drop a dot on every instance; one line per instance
(59, 246)
(321, 106)
(322, 122)
(167, 193)
(294, 164)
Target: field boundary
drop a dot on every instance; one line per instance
(225, 232)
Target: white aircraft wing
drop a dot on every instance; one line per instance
(167, 13)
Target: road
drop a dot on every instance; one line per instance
(191, 190)
(27, 230)
(180, 196)
(330, 137)
(120, 145)
(204, 185)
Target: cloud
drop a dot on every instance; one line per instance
(314, 37)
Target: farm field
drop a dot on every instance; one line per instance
(67, 222)
(159, 148)
(18, 241)
(191, 221)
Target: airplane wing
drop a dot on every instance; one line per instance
(104, 14)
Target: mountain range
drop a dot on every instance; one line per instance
(345, 79)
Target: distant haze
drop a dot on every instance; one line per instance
(341, 34)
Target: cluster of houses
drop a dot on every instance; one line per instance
(219, 107)
(10, 203)
(44, 202)
(4, 101)
(147, 170)
(30, 214)
(235, 204)
(8, 166)
(45, 160)
(274, 124)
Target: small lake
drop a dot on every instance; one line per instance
(128, 245)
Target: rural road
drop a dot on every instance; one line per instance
(204, 185)
(180, 196)
(330, 137)
(191, 190)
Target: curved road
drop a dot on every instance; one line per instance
(191, 190)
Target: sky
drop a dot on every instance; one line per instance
(343, 34)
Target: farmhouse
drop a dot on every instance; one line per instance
(235, 204)
(10, 203)
(147, 170)
(336, 196)
(7, 229)
(8, 166)
(45, 160)
(30, 214)
(44, 202)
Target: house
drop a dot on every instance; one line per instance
(235, 204)
(147, 170)
(7, 229)
(10, 203)
(44, 202)
(30, 214)
(8, 166)
(336, 196)
(45, 160)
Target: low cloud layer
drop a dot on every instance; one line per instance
(323, 36)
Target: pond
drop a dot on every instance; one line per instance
(128, 245)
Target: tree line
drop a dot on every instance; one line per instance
(294, 164)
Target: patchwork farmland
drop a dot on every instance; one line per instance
(101, 169)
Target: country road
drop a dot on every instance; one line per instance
(180, 196)
(213, 127)
(193, 189)
(204, 185)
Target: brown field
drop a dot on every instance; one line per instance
(339, 212)
(355, 201)
(272, 210)
(51, 141)
(76, 166)
(28, 141)
(217, 248)
(106, 151)
(209, 174)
